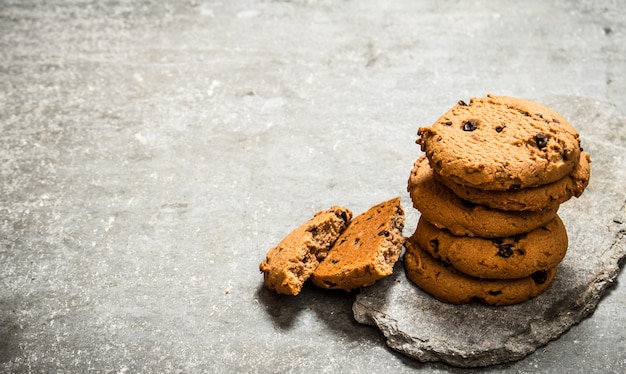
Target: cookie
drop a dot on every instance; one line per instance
(532, 198)
(366, 251)
(441, 207)
(501, 143)
(288, 265)
(502, 258)
(452, 286)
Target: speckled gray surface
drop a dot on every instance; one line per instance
(151, 152)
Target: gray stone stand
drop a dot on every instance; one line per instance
(419, 326)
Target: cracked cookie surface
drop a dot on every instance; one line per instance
(501, 143)
(452, 286)
(518, 256)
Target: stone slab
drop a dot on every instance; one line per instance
(428, 330)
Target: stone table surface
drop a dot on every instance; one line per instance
(151, 152)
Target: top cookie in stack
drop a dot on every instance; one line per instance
(506, 153)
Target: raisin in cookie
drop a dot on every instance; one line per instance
(532, 198)
(366, 251)
(452, 286)
(288, 265)
(502, 258)
(441, 207)
(501, 143)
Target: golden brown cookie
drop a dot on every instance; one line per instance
(450, 285)
(501, 143)
(532, 198)
(288, 265)
(366, 251)
(441, 207)
(502, 258)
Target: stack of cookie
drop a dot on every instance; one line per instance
(488, 188)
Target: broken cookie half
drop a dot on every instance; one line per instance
(288, 265)
(366, 251)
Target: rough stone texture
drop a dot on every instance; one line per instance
(151, 152)
(475, 335)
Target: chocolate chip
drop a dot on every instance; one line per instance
(383, 233)
(505, 250)
(434, 244)
(356, 241)
(448, 123)
(470, 125)
(540, 277)
(541, 140)
(539, 115)
(344, 216)
(462, 103)
(500, 128)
